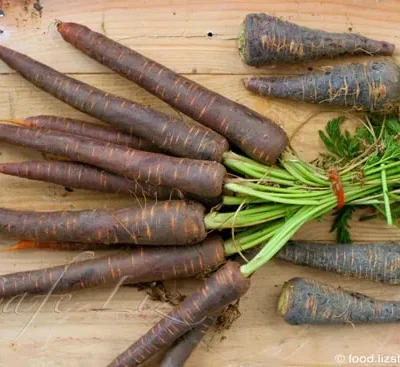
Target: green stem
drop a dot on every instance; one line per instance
(386, 196)
(269, 197)
(249, 238)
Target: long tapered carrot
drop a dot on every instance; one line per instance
(89, 130)
(222, 288)
(305, 301)
(373, 261)
(138, 265)
(253, 133)
(80, 176)
(175, 136)
(203, 178)
(174, 222)
(265, 40)
(183, 347)
(60, 246)
(372, 86)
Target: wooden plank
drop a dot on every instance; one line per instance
(89, 328)
(83, 329)
(178, 33)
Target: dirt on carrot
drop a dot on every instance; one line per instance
(224, 287)
(158, 292)
(256, 135)
(268, 40)
(227, 317)
(372, 86)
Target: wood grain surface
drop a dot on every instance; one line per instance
(198, 38)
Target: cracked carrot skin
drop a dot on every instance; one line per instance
(175, 136)
(372, 86)
(304, 301)
(256, 135)
(174, 222)
(225, 286)
(268, 40)
(202, 178)
(138, 265)
(379, 262)
(183, 347)
(80, 176)
(89, 130)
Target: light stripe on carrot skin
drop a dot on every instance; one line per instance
(123, 161)
(129, 116)
(194, 100)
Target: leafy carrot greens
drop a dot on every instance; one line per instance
(367, 168)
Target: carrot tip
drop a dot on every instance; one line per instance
(21, 245)
(17, 122)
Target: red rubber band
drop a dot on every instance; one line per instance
(337, 187)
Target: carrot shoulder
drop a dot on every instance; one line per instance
(304, 301)
(80, 176)
(174, 222)
(256, 135)
(222, 288)
(138, 265)
(175, 136)
(265, 39)
(203, 178)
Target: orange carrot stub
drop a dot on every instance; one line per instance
(256, 135)
(202, 178)
(89, 130)
(174, 222)
(138, 265)
(178, 137)
(222, 288)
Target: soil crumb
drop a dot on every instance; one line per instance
(227, 317)
(158, 292)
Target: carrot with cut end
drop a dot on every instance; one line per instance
(224, 287)
(87, 129)
(256, 135)
(174, 222)
(80, 176)
(183, 347)
(268, 40)
(379, 262)
(372, 86)
(304, 301)
(175, 136)
(139, 265)
(203, 178)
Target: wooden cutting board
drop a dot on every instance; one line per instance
(197, 38)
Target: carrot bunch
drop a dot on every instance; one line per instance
(264, 194)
